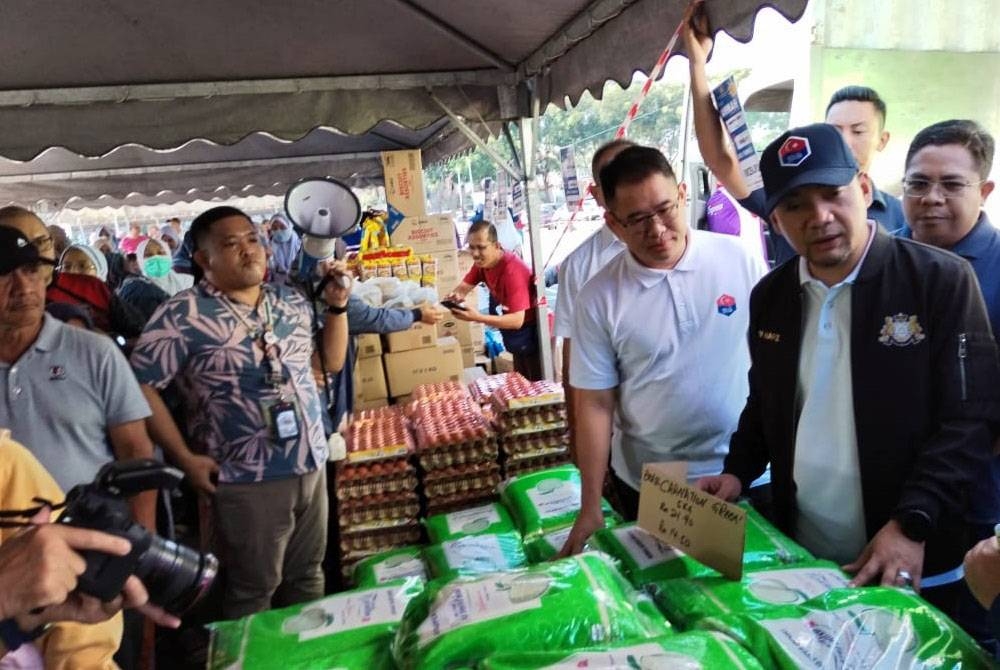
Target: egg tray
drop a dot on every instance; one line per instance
(542, 439)
(531, 429)
(353, 482)
(479, 443)
(483, 389)
(446, 390)
(470, 479)
(519, 397)
(545, 452)
(460, 501)
(459, 455)
(379, 537)
(371, 513)
(527, 465)
(362, 490)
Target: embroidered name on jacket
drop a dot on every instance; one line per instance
(901, 330)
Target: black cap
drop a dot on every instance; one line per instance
(16, 251)
(814, 155)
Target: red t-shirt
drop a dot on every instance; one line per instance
(510, 283)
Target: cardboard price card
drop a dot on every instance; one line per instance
(704, 527)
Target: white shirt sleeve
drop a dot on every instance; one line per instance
(593, 360)
(565, 298)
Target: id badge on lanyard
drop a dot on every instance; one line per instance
(282, 414)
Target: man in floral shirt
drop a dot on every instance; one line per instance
(240, 352)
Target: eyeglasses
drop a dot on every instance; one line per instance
(950, 188)
(43, 242)
(78, 268)
(665, 213)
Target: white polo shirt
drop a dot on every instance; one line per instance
(673, 342)
(576, 270)
(831, 515)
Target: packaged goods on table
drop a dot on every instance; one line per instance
(541, 502)
(573, 603)
(546, 546)
(490, 518)
(482, 389)
(476, 554)
(871, 628)
(376, 487)
(390, 566)
(685, 601)
(350, 630)
(645, 559)
(456, 447)
(687, 651)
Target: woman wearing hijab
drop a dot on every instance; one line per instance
(170, 238)
(285, 246)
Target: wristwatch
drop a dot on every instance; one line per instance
(13, 637)
(915, 524)
(330, 309)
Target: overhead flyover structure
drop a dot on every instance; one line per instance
(249, 95)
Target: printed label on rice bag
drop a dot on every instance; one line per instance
(397, 567)
(348, 611)
(852, 638)
(640, 657)
(795, 585)
(474, 520)
(462, 604)
(476, 553)
(557, 538)
(643, 548)
(555, 497)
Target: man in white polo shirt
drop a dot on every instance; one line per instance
(659, 343)
(583, 263)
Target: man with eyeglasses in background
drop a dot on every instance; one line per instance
(659, 340)
(25, 221)
(945, 186)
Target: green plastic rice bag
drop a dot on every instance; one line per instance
(645, 559)
(389, 566)
(697, 650)
(349, 630)
(491, 518)
(871, 628)
(545, 547)
(684, 601)
(476, 554)
(573, 603)
(543, 501)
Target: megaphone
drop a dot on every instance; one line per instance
(322, 210)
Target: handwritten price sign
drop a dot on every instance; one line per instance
(706, 528)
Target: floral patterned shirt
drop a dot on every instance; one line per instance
(213, 348)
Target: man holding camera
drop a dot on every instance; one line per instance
(240, 351)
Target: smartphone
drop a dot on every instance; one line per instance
(452, 305)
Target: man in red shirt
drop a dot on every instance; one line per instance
(512, 297)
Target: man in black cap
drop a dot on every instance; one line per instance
(874, 381)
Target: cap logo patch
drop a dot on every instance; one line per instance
(794, 151)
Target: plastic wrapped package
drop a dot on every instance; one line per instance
(871, 628)
(645, 559)
(685, 601)
(697, 650)
(367, 292)
(574, 603)
(491, 518)
(389, 566)
(476, 554)
(351, 629)
(545, 547)
(544, 501)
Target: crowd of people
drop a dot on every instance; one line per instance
(852, 392)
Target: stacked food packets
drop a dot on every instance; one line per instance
(530, 418)
(378, 506)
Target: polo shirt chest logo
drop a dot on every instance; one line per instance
(726, 304)
(57, 372)
(901, 330)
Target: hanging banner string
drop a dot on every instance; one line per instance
(622, 131)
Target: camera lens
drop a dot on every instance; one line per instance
(175, 576)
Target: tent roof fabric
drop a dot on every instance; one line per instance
(92, 77)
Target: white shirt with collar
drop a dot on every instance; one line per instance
(576, 270)
(831, 519)
(673, 342)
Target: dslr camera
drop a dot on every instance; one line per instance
(175, 576)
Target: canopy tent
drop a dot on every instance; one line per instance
(245, 97)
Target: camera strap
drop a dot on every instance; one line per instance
(27, 514)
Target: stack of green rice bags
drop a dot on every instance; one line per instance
(487, 594)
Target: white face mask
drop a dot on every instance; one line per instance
(283, 234)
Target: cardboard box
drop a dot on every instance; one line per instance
(404, 181)
(418, 336)
(425, 234)
(503, 363)
(369, 380)
(468, 357)
(472, 373)
(408, 369)
(448, 275)
(467, 333)
(464, 262)
(369, 345)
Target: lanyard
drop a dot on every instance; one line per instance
(264, 336)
